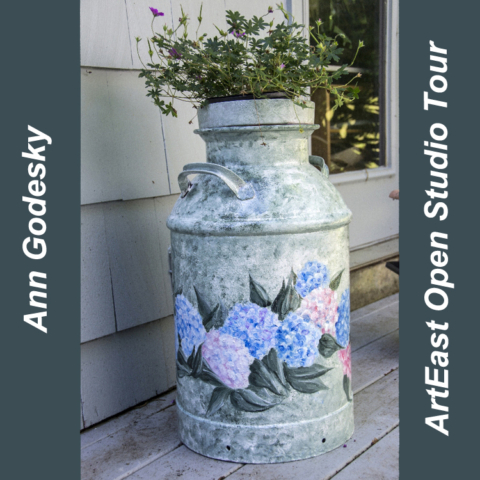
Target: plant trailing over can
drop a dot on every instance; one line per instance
(252, 57)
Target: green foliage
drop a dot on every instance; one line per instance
(252, 57)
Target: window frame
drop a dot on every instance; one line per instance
(390, 99)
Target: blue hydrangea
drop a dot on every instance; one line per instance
(297, 341)
(254, 325)
(342, 327)
(313, 275)
(188, 324)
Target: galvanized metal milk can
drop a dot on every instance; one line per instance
(260, 261)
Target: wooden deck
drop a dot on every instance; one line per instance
(143, 444)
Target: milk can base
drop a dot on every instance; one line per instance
(266, 443)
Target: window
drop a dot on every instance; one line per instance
(353, 136)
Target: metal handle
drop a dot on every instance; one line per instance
(242, 190)
(320, 163)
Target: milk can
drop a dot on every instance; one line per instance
(260, 262)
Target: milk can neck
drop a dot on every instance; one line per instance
(257, 145)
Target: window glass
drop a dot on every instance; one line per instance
(351, 137)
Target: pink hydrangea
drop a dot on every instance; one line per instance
(320, 305)
(228, 357)
(345, 357)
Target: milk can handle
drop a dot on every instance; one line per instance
(320, 163)
(243, 191)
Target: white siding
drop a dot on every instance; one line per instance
(122, 370)
(104, 40)
(123, 155)
(97, 311)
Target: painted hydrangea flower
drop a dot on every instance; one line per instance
(320, 305)
(254, 325)
(188, 324)
(228, 357)
(313, 275)
(297, 341)
(156, 13)
(346, 359)
(342, 327)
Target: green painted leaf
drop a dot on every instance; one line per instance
(209, 320)
(328, 345)
(258, 294)
(204, 308)
(191, 358)
(307, 386)
(287, 299)
(181, 358)
(262, 376)
(346, 387)
(208, 376)
(182, 370)
(335, 282)
(276, 303)
(272, 361)
(219, 395)
(197, 364)
(306, 373)
(253, 399)
(217, 318)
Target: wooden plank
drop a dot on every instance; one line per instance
(375, 414)
(121, 370)
(123, 154)
(372, 362)
(373, 326)
(186, 464)
(380, 461)
(374, 307)
(131, 417)
(97, 313)
(140, 291)
(124, 452)
(104, 38)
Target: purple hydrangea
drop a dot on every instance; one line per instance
(313, 275)
(156, 13)
(228, 357)
(342, 327)
(188, 324)
(297, 341)
(254, 325)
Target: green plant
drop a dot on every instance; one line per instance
(252, 57)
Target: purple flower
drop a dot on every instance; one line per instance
(270, 10)
(228, 357)
(174, 53)
(282, 65)
(156, 13)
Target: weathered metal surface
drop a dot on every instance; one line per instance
(261, 290)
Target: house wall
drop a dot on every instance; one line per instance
(131, 158)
